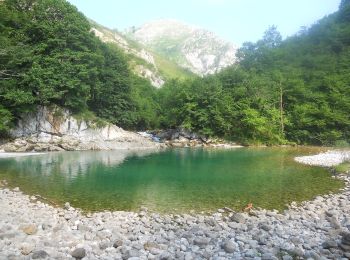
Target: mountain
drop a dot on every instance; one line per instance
(143, 62)
(192, 48)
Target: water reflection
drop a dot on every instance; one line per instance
(71, 164)
(182, 179)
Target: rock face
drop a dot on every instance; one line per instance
(196, 49)
(57, 130)
(148, 71)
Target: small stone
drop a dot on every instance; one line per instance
(298, 252)
(66, 205)
(30, 229)
(346, 239)
(165, 256)
(238, 217)
(287, 257)
(329, 244)
(104, 245)
(346, 248)
(265, 227)
(26, 248)
(149, 245)
(334, 222)
(269, 256)
(201, 241)
(40, 254)
(131, 253)
(79, 253)
(118, 243)
(229, 247)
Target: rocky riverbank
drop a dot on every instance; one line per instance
(180, 137)
(55, 129)
(30, 229)
(327, 159)
(318, 229)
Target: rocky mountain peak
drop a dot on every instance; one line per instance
(191, 47)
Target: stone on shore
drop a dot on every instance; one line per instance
(40, 254)
(229, 247)
(29, 229)
(78, 253)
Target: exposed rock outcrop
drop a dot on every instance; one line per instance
(190, 47)
(146, 69)
(184, 138)
(57, 130)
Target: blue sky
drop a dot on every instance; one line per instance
(234, 20)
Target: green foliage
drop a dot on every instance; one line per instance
(5, 120)
(295, 90)
(49, 56)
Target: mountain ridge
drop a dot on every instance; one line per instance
(143, 62)
(191, 47)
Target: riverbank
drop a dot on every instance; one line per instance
(32, 229)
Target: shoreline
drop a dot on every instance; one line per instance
(313, 229)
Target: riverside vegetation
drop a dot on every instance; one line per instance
(291, 91)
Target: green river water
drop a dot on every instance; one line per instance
(177, 180)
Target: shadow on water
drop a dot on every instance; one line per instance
(176, 180)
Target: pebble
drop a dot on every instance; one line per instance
(239, 218)
(40, 254)
(27, 248)
(201, 241)
(30, 229)
(79, 253)
(229, 247)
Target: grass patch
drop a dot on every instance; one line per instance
(343, 167)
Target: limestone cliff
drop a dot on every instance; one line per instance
(56, 129)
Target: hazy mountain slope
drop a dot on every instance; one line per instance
(190, 47)
(143, 62)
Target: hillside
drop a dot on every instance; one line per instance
(145, 63)
(192, 48)
(291, 91)
(49, 57)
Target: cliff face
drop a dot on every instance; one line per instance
(57, 130)
(141, 61)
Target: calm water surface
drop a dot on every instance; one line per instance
(170, 181)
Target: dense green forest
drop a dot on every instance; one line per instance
(49, 56)
(297, 90)
(291, 91)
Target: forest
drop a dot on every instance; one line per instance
(292, 91)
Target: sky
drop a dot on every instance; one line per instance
(237, 21)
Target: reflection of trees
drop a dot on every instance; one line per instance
(71, 164)
(183, 178)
